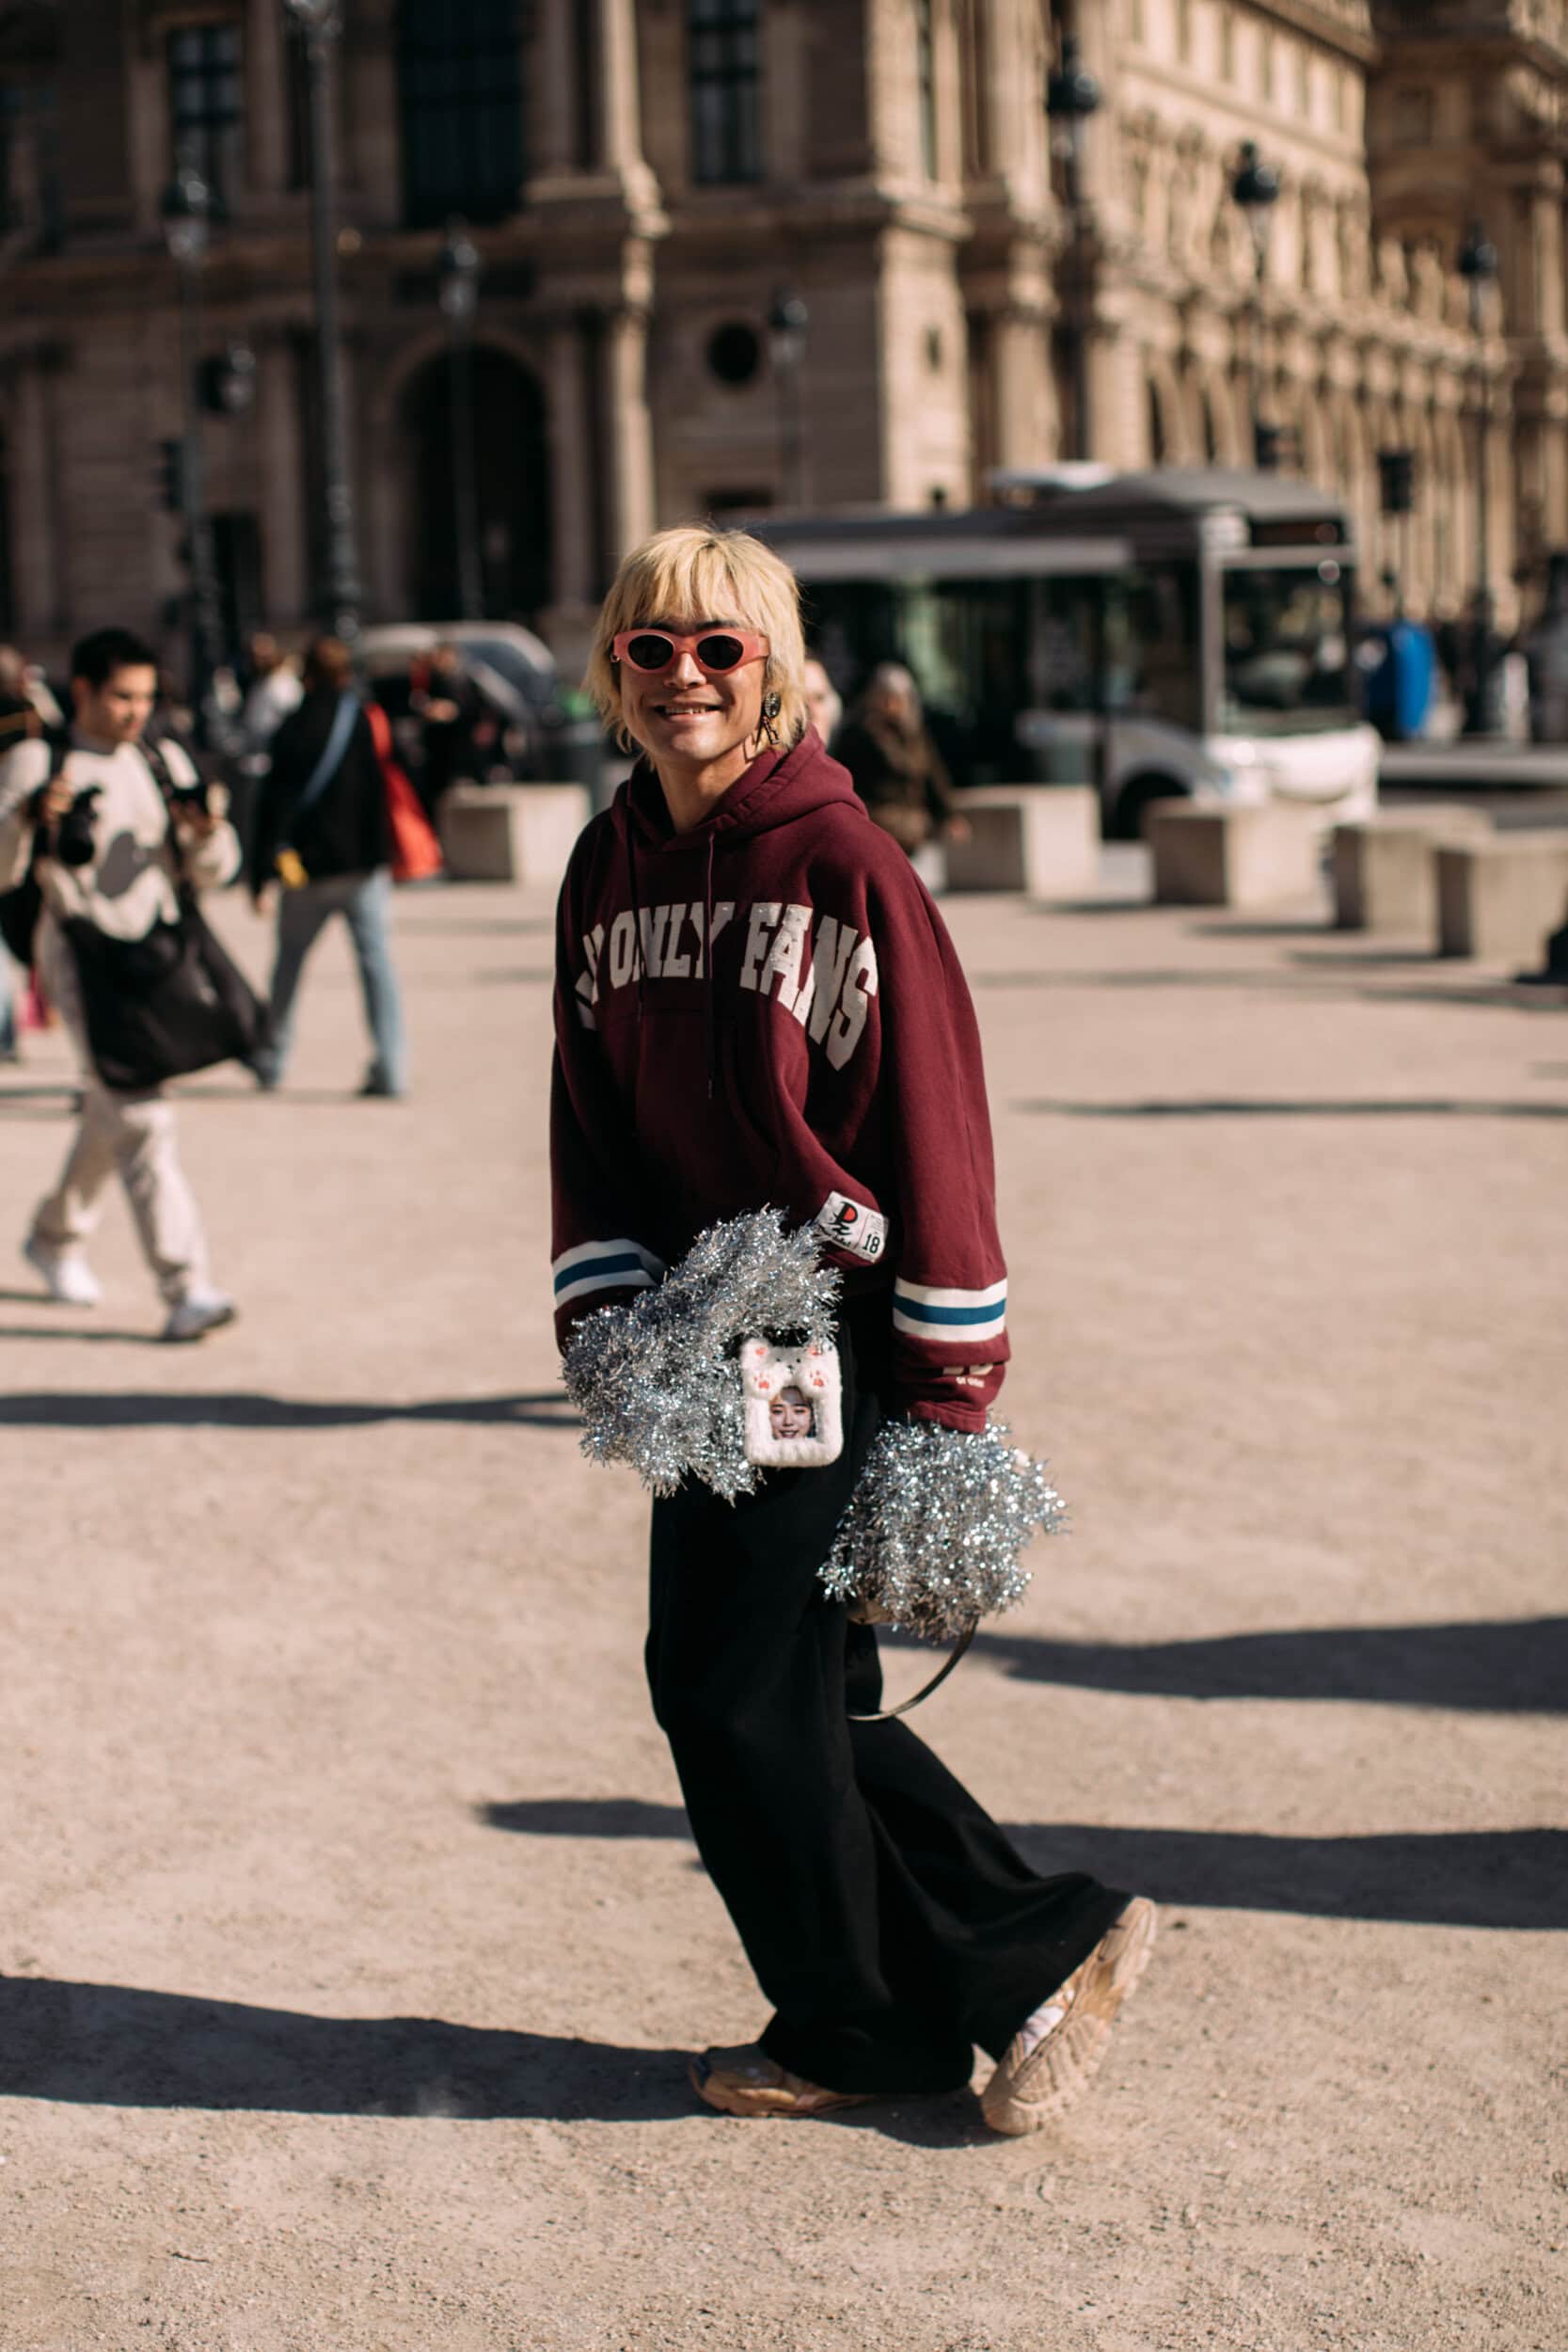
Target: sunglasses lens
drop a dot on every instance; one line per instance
(650, 651)
(719, 653)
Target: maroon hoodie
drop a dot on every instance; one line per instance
(822, 1059)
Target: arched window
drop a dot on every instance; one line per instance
(725, 76)
(206, 107)
(461, 95)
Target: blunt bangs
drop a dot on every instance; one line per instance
(702, 574)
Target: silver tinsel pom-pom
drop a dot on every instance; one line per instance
(656, 1382)
(934, 1532)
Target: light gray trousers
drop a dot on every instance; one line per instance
(129, 1136)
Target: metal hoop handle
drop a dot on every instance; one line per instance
(886, 1714)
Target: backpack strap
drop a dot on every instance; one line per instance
(334, 752)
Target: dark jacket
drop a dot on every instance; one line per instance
(768, 1010)
(899, 774)
(347, 830)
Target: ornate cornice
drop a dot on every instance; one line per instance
(1343, 25)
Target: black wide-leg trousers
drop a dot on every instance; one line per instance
(886, 1916)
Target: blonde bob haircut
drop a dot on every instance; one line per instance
(696, 572)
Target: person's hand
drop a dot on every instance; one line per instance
(958, 828)
(442, 712)
(52, 800)
(197, 823)
(262, 899)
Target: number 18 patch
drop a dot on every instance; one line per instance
(851, 1225)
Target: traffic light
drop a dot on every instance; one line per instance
(1396, 469)
(229, 381)
(169, 477)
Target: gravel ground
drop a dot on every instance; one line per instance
(354, 1935)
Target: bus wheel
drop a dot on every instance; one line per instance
(1134, 800)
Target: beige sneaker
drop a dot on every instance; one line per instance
(1052, 2060)
(748, 2082)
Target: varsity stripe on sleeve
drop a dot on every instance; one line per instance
(922, 1313)
(604, 1265)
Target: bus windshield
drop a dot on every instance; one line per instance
(1287, 651)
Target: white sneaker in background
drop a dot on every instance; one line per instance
(71, 1282)
(200, 1312)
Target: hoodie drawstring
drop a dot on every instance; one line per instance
(709, 1009)
(636, 925)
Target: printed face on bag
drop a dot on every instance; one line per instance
(117, 711)
(690, 709)
(790, 1416)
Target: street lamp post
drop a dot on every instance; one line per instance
(458, 275)
(789, 322)
(319, 24)
(187, 233)
(1477, 266)
(1072, 96)
(1255, 189)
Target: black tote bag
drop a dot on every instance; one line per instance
(165, 1005)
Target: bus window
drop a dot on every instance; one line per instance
(1149, 661)
(1287, 651)
(1065, 638)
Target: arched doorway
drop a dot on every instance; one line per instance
(512, 480)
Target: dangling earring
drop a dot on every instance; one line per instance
(772, 706)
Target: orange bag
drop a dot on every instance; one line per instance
(415, 852)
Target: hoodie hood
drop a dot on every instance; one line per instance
(776, 789)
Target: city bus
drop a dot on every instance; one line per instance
(1182, 632)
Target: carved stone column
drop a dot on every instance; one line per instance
(34, 501)
(571, 406)
(280, 455)
(630, 476)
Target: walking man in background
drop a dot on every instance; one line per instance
(322, 834)
(110, 828)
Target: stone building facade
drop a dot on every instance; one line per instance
(645, 178)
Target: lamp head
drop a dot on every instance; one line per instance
(788, 320)
(186, 212)
(1255, 189)
(457, 274)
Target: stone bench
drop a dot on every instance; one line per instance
(1043, 838)
(1234, 857)
(1500, 900)
(1385, 871)
(511, 831)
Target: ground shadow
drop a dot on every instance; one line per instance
(94, 1334)
(1515, 1878)
(1297, 927)
(113, 1408)
(1223, 1107)
(1447, 1878)
(251, 1092)
(1130, 977)
(1510, 1667)
(116, 2046)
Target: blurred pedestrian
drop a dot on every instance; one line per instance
(823, 701)
(756, 1003)
(275, 689)
(20, 723)
(321, 841)
(895, 767)
(453, 715)
(111, 829)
